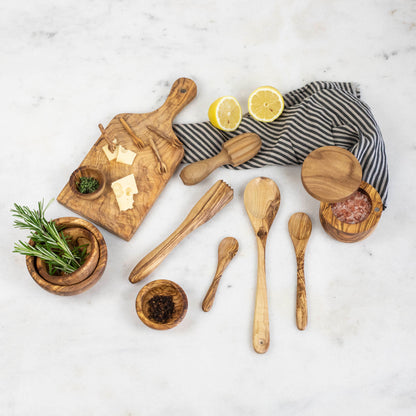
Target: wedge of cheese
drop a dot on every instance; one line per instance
(124, 189)
(111, 155)
(125, 156)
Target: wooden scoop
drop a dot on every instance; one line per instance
(226, 251)
(300, 227)
(217, 197)
(262, 200)
(235, 151)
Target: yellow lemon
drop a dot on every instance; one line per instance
(265, 104)
(225, 113)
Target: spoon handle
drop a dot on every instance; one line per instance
(197, 171)
(301, 304)
(261, 335)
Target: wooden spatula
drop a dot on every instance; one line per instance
(235, 151)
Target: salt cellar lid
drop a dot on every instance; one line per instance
(331, 174)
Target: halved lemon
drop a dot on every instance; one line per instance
(225, 113)
(265, 104)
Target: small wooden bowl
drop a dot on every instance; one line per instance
(85, 284)
(350, 233)
(79, 236)
(91, 172)
(164, 288)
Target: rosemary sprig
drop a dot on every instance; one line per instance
(50, 244)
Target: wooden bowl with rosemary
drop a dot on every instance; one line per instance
(161, 304)
(87, 182)
(83, 239)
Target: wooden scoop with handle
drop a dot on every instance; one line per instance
(235, 151)
(216, 198)
(300, 227)
(262, 200)
(226, 251)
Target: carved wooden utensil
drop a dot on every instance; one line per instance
(226, 251)
(217, 197)
(300, 227)
(235, 151)
(262, 200)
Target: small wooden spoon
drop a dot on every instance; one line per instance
(226, 251)
(262, 200)
(235, 151)
(300, 227)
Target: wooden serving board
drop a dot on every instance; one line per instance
(104, 210)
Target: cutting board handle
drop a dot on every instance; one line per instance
(183, 91)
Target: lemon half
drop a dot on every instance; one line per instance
(265, 104)
(225, 113)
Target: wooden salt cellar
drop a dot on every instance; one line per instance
(332, 174)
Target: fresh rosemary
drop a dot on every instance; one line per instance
(50, 244)
(87, 185)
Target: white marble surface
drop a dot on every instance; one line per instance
(65, 66)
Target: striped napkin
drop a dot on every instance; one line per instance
(318, 114)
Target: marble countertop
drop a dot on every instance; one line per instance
(65, 67)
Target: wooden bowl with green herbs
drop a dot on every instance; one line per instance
(87, 182)
(85, 283)
(85, 242)
(161, 304)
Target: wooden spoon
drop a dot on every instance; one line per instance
(300, 227)
(226, 251)
(235, 151)
(216, 198)
(262, 200)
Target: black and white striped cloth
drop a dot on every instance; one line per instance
(318, 114)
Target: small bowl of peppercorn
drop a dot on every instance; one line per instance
(161, 304)
(87, 182)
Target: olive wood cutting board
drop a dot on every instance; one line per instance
(154, 129)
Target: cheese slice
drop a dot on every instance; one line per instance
(125, 156)
(124, 189)
(110, 155)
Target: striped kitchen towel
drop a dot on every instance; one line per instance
(318, 114)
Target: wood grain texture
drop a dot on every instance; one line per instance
(216, 198)
(262, 201)
(227, 249)
(235, 151)
(300, 227)
(331, 174)
(165, 288)
(104, 210)
(351, 233)
(84, 285)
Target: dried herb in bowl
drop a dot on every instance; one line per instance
(50, 244)
(87, 185)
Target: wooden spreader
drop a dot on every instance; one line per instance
(153, 166)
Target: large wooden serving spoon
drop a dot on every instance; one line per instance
(300, 227)
(262, 200)
(235, 151)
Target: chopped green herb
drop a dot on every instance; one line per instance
(51, 245)
(87, 185)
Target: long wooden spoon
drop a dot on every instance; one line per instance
(300, 227)
(235, 151)
(262, 200)
(216, 198)
(226, 251)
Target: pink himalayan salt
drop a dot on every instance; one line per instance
(354, 209)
